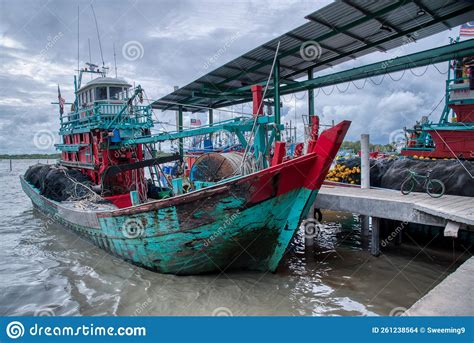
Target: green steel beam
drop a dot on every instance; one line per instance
(235, 125)
(332, 33)
(276, 95)
(419, 59)
(341, 29)
(392, 37)
(180, 129)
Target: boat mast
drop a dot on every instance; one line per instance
(98, 37)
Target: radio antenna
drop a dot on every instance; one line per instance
(78, 40)
(115, 62)
(90, 55)
(98, 37)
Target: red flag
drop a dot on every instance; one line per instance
(195, 122)
(61, 101)
(467, 29)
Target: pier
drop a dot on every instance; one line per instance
(452, 297)
(449, 211)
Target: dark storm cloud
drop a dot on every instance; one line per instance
(178, 41)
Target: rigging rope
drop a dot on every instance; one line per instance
(252, 133)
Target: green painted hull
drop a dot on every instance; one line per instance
(245, 223)
(239, 237)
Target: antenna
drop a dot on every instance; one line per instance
(78, 39)
(90, 55)
(115, 62)
(98, 37)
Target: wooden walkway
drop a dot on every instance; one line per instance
(452, 212)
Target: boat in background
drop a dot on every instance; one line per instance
(448, 138)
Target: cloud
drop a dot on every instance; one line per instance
(182, 40)
(9, 43)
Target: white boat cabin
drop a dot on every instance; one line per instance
(103, 90)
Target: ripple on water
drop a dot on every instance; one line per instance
(46, 270)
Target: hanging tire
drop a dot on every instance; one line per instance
(435, 188)
(318, 215)
(407, 186)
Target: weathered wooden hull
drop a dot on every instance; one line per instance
(246, 222)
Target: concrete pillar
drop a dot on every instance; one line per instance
(364, 224)
(364, 161)
(364, 176)
(375, 242)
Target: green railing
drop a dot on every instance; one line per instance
(102, 115)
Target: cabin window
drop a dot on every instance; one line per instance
(101, 93)
(87, 97)
(114, 93)
(91, 95)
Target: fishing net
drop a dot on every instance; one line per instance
(60, 184)
(390, 173)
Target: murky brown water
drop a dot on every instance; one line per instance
(49, 270)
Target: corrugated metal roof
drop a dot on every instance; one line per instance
(344, 30)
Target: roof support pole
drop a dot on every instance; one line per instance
(180, 129)
(276, 95)
(211, 120)
(310, 94)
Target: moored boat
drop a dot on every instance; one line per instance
(109, 185)
(246, 222)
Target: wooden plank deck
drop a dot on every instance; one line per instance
(414, 207)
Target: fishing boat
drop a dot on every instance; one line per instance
(453, 135)
(110, 187)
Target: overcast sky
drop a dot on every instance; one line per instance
(177, 42)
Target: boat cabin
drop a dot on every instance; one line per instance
(103, 90)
